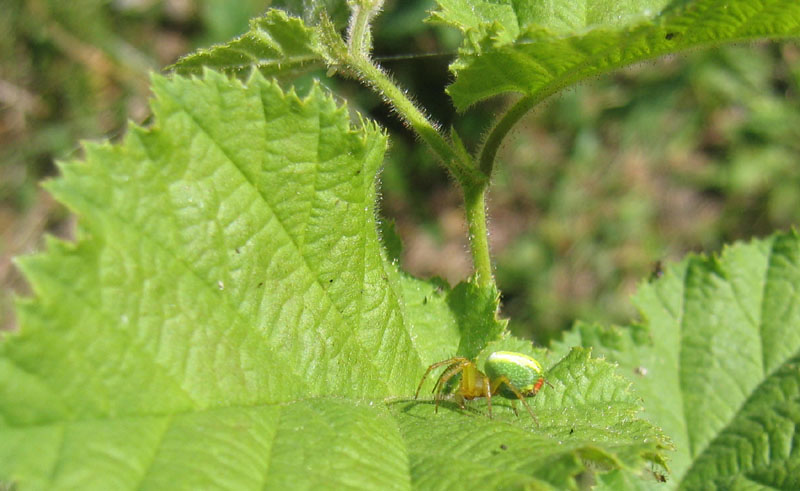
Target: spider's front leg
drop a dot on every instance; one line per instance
(441, 383)
(451, 361)
(488, 387)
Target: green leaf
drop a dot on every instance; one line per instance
(276, 44)
(587, 420)
(717, 363)
(510, 17)
(337, 10)
(228, 318)
(538, 48)
(475, 309)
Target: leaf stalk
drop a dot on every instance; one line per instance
(500, 130)
(473, 180)
(359, 35)
(475, 205)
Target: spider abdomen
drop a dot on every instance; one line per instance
(521, 370)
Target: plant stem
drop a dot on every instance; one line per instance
(473, 182)
(465, 172)
(359, 37)
(498, 133)
(475, 204)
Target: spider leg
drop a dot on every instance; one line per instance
(451, 372)
(504, 380)
(445, 377)
(488, 385)
(458, 359)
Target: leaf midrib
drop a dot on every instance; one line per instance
(351, 332)
(767, 375)
(635, 31)
(736, 416)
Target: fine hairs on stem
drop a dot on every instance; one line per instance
(359, 32)
(353, 57)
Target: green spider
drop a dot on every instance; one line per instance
(509, 374)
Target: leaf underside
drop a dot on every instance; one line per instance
(536, 48)
(276, 45)
(228, 318)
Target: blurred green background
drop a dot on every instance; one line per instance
(594, 189)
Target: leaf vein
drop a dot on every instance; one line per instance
(291, 238)
(156, 448)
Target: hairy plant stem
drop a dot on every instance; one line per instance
(464, 171)
(475, 205)
(359, 37)
(473, 182)
(500, 130)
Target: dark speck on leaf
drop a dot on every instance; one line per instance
(260, 285)
(670, 36)
(657, 272)
(238, 251)
(659, 477)
(330, 280)
(503, 446)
